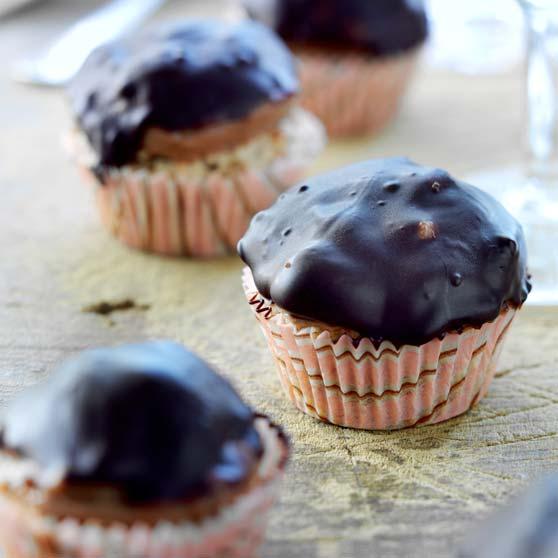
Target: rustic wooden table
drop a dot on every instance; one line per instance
(413, 493)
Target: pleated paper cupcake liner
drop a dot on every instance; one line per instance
(237, 531)
(184, 209)
(331, 376)
(354, 94)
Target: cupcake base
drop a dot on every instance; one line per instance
(237, 530)
(352, 93)
(202, 209)
(346, 380)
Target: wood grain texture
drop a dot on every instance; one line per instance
(348, 494)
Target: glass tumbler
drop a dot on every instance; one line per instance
(530, 191)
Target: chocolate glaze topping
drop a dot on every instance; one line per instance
(152, 420)
(378, 26)
(390, 249)
(194, 74)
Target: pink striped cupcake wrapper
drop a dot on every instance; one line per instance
(236, 532)
(188, 210)
(182, 216)
(360, 385)
(354, 94)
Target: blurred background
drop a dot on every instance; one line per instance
(483, 105)
(470, 75)
(466, 111)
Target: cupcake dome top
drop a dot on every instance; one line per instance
(152, 420)
(183, 77)
(390, 249)
(378, 26)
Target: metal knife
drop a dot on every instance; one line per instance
(62, 59)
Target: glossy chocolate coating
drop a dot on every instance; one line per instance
(390, 249)
(193, 74)
(152, 420)
(381, 27)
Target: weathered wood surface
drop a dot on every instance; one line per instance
(348, 494)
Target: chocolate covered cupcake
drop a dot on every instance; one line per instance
(189, 130)
(137, 451)
(385, 290)
(357, 56)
